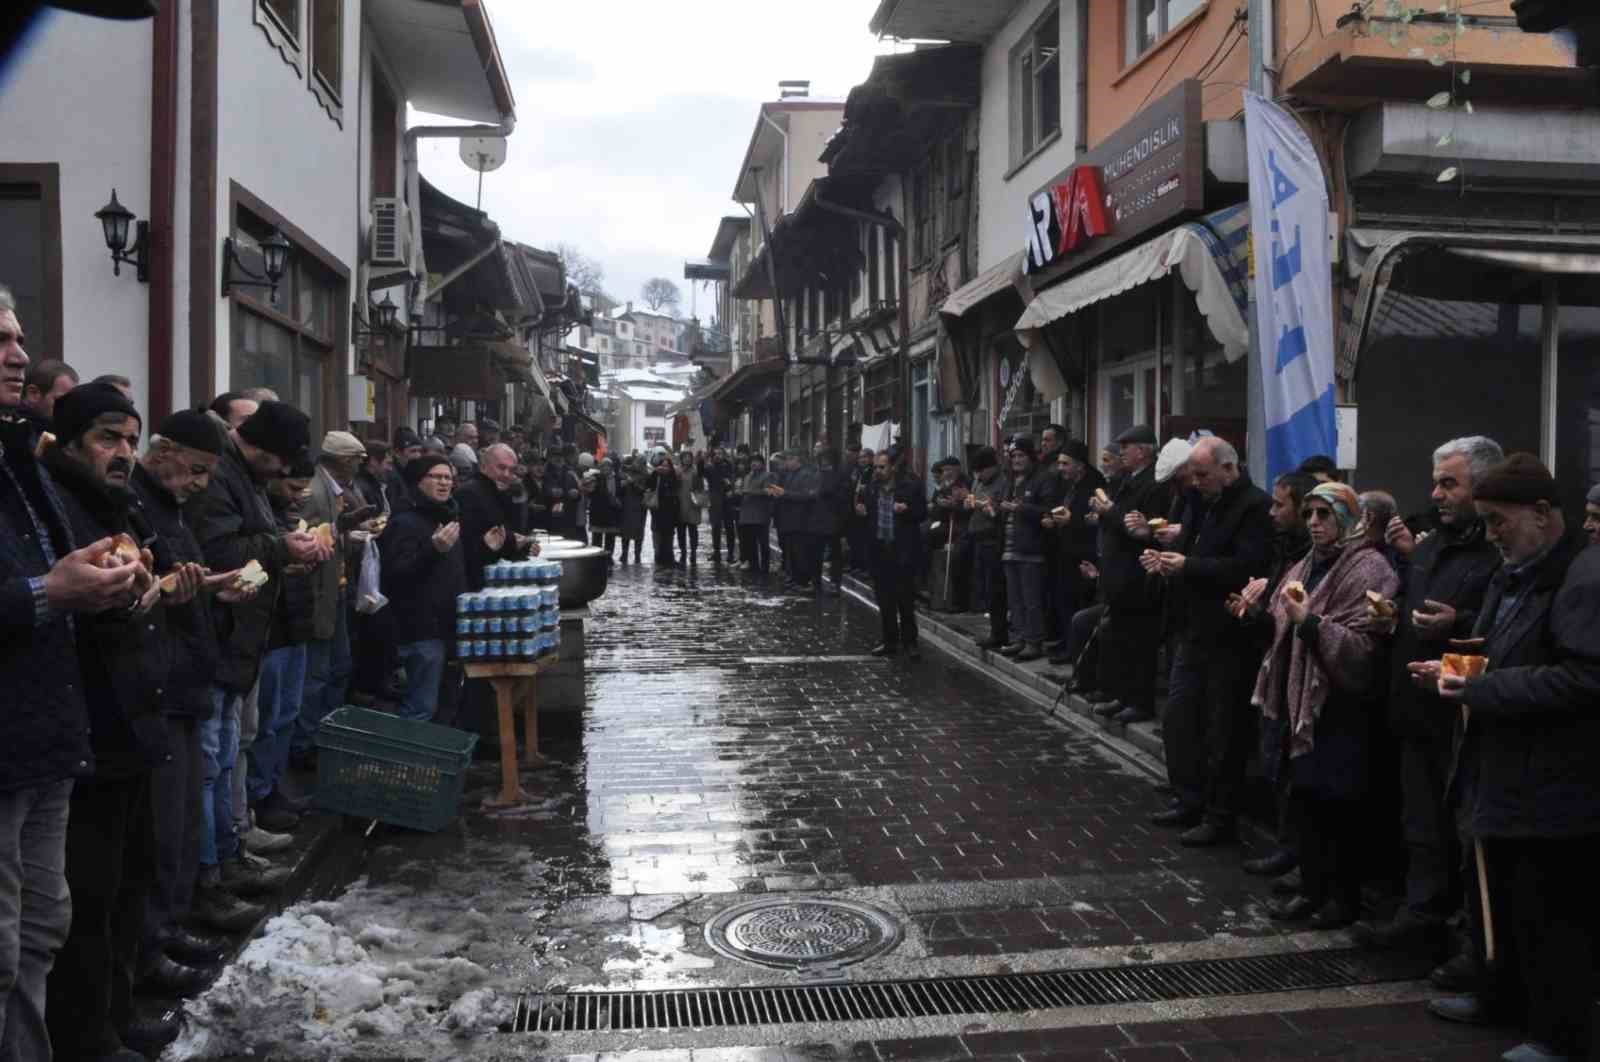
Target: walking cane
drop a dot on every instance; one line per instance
(1483, 875)
(949, 552)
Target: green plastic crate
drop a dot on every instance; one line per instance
(378, 766)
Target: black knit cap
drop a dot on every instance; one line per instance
(984, 459)
(405, 437)
(1076, 449)
(193, 428)
(279, 429)
(1026, 444)
(1521, 479)
(421, 466)
(76, 410)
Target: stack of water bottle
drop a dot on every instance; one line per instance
(516, 616)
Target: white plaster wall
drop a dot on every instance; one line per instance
(1003, 198)
(277, 141)
(809, 132)
(79, 96)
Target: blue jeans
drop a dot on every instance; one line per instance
(283, 681)
(424, 664)
(327, 680)
(219, 751)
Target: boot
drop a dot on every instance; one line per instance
(174, 978)
(262, 841)
(191, 948)
(216, 908)
(1030, 651)
(146, 1035)
(249, 875)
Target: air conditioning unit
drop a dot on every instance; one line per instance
(391, 232)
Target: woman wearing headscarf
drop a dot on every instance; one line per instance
(691, 504)
(1318, 694)
(755, 513)
(632, 484)
(666, 483)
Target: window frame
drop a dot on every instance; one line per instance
(328, 94)
(1024, 71)
(1133, 34)
(47, 341)
(287, 40)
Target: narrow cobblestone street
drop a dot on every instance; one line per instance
(738, 744)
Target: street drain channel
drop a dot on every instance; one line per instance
(710, 1008)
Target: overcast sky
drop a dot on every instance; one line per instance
(633, 116)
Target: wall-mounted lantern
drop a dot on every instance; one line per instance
(115, 220)
(275, 261)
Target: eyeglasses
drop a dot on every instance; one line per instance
(1316, 512)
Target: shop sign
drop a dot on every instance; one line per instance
(1146, 173)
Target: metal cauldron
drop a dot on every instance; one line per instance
(584, 571)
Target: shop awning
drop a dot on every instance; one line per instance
(736, 386)
(1374, 254)
(1209, 254)
(1006, 276)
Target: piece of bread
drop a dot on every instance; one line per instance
(252, 574)
(1463, 665)
(1379, 605)
(46, 441)
(124, 550)
(324, 534)
(169, 582)
(1295, 591)
(1101, 496)
(1061, 510)
(1157, 524)
(301, 527)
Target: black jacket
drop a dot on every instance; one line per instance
(801, 489)
(234, 524)
(420, 582)
(1230, 545)
(1079, 540)
(1455, 569)
(1127, 587)
(981, 527)
(1526, 761)
(125, 658)
(44, 721)
(191, 626)
(1023, 537)
(666, 485)
(907, 551)
(833, 492)
(481, 507)
(559, 487)
(372, 492)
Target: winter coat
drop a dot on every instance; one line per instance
(1023, 537)
(1230, 545)
(755, 504)
(125, 659)
(981, 527)
(234, 524)
(693, 483)
(666, 485)
(192, 626)
(420, 582)
(481, 506)
(1079, 540)
(801, 489)
(294, 620)
(605, 504)
(44, 721)
(396, 492)
(1126, 585)
(720, 479)
(907, 552)
(947, 517)
(1525, 766)
(632, 504)
(326, 503)
(1454, 569)
(372, 492)
(1317, 682)
(827, 512)
(557, 488)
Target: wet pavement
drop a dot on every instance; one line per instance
(737, 744)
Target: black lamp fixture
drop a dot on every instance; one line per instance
(384, 315)
(274, 259)
(115, 219)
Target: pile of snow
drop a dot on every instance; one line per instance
(372, 970)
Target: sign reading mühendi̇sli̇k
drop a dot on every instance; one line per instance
(1146, 173)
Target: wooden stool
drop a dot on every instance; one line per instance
(506, 676)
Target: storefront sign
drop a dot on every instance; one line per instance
(1146, 173)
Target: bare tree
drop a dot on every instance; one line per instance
(660, 293)
(586, 274)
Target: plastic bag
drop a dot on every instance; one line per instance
(369, 598)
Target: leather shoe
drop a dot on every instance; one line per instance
(1289, 884)
(992, 643)
(1466, 1009)
(1029, 652)
(1060, 660)
(147, 1034)
(190, 947)
(1271, 865)
(1129, 716)
(275, 820)
(1206, 834)
(1013, 649)
(1178, 815)
(216, 908)
(1105, 709)
(1460, 974)
(1335, 914)
(1292, 909)
(1531, 1051)
(1405, 932)
(883, 650)
(175, 977)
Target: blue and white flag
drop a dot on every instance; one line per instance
(1293, 286)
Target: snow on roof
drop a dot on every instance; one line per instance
(653, 394)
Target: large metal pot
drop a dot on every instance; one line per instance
(584, 570)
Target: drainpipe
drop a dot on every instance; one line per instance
(508, 125)
(163, 213)
(903, 295)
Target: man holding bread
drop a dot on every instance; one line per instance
(1442, 588)
(1524, 778)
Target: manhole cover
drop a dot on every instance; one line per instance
(795, 934)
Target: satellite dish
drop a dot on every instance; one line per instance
(484, 153)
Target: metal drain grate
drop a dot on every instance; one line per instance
(705, 1008)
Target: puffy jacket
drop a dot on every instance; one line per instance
(44, 720)
(1230, 545)
(125, 658)
(420, 582)
(1526, 761)
(192, 626)
(1454, 569)
(234, 524)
